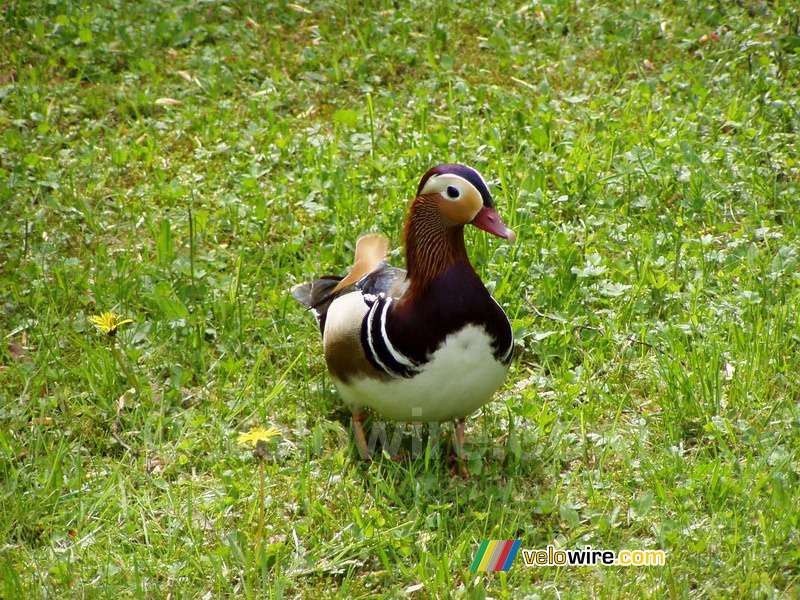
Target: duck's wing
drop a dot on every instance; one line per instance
(384, 279)
(370, 275)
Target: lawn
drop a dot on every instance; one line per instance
(184, 164)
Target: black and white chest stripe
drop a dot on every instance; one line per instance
(380, 351)
(378, 348)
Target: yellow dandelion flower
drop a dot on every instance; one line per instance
(257, 434)
(108, 322)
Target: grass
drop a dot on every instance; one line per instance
(183, 164)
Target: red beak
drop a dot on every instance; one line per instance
(488, 220)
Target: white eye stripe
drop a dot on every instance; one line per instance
(439, 184)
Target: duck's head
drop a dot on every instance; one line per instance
(461, 197)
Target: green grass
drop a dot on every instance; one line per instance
(654, 401)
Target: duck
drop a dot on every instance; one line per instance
(424, 344)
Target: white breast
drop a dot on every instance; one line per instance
(461, 376)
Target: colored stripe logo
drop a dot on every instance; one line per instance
(495, 555)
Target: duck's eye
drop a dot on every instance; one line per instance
(452, 191)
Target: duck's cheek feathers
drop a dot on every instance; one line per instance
(463, 210)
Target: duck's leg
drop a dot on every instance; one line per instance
(459, 427)
(358, 431)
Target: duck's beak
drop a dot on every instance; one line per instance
(488, 220)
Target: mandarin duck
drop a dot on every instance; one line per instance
(428, 343)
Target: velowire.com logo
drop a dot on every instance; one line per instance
(498, 555)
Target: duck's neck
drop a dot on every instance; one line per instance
(433, 245)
